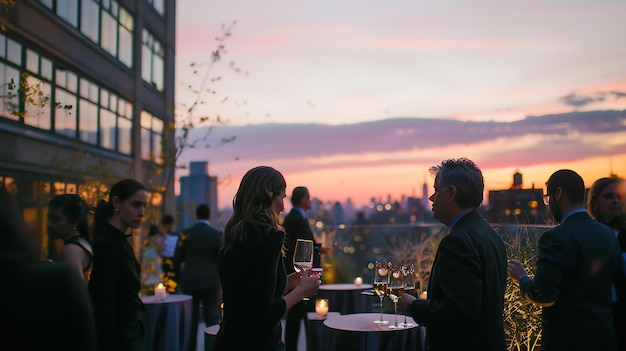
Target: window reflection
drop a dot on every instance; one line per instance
(152, 56)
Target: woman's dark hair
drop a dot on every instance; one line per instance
(252, 205)
(123, 190)
(15, 244)
(73, 208)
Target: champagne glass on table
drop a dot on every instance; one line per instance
(303, 256)
(381, 280)
(396, 289)
(408, 273)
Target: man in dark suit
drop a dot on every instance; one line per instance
(196, 265)
(297, 227)
(468, 278)
(578, 260)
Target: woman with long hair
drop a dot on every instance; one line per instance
(67, 220)
(605, 202)
(115, 278)
(251, 264)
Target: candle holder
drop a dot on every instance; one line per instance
(159, 292)
(321, 307)
(358, 281)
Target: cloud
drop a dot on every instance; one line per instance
(581, 100)
(407, 141)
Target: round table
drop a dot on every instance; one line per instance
(167, 322)
(361, 333)
(347, 298)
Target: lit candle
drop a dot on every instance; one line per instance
(321, 307)
(159, 292)
(424, 295)
(358, 280)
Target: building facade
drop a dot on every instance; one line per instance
(517, 205)
(87, 99)
(197, 188)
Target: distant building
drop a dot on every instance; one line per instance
(111, 65)
(195, 189)
(517, 205)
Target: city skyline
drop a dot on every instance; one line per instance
(347, 72)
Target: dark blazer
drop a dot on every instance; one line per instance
(252, 322)
(198, 249)
(578, 261)
(297, 227)
(466, 291)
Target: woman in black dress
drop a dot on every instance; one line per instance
(114, 284)
(251, 267)
(606, 204)
(67, 220)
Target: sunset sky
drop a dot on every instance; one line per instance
(356, 99)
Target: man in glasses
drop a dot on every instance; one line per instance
(468, 278)
(577, 263)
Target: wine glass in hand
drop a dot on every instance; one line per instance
(303, 257)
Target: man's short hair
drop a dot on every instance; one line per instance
(298, 193)
(167, 219)
(203, 212)
(571, 182)
(466, 177)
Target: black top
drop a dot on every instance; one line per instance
(83, 244)
(45, 307)
(466, 290)
(253, 280)
(577, 263)
(114, 289)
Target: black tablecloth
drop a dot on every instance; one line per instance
(347, 298)
(359, 333)
(167, 323)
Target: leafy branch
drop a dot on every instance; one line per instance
(29, 92)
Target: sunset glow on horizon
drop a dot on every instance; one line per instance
(358, 101)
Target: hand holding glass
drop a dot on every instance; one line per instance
(303, 256)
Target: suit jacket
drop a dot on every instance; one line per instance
(198, 249)
(297, 227)
(466, 290)
(577, 263)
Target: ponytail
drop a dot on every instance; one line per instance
(102, 214)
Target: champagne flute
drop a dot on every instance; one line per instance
(409, 286)
(396, 289)
(381, 280)
(303, 257)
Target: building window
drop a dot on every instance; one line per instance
(152, 57)
(158, 5)
(90, 19)
(68, 10)
(93, 114)
(151, 137)
(10, 51)
(88, 112)
(104, 22)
